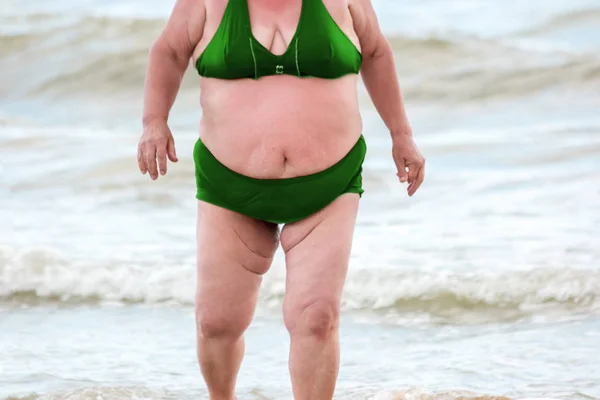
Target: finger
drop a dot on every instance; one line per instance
(171, 150)
(161, 154)
(413, 187)
(141, 163)
(402, 174)
(413, 170)
(150, 158)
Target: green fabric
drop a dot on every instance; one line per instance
(280, 201)
(319, 48)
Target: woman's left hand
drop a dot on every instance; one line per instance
(408, 157)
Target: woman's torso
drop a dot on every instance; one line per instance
(278, 126)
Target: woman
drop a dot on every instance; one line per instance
(280, 144)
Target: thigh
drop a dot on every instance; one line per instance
(317, 253)
(234, 251)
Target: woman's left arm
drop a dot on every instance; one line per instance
(379, 76)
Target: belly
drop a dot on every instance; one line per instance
(280, 126)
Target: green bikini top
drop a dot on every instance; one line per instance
(319, 48)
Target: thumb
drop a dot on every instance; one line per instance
(171, 150)
(402, 174)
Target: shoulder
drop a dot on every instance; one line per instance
(363, 14)
(340, 11)
(188, 12)
(187, 17)
(366, 25)
(360, 4)
(189, 8)
(184, 27)
(357, 9)
(361, 8)
(336, 6)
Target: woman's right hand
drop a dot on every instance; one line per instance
(155, 144)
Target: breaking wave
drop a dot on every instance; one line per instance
(63, 56)
(34, 276)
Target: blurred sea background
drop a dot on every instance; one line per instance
(485, 285)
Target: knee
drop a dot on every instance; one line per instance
(318, 318)
(216, 325)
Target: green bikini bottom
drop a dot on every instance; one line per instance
(280, 201)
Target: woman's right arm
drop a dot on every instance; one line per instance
(169, 58)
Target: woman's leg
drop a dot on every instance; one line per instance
(317, 254)
(234, 251)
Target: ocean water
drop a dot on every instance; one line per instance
(486, 285)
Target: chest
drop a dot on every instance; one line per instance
(296, 37)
